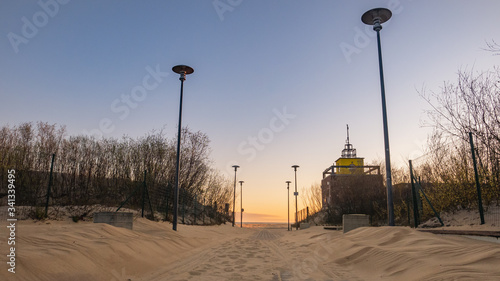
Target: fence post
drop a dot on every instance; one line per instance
(419, 198)
(143, 193)
(150, 205)
(408, 210)
(478, 187)
(414, 195)
(215, 212)
(50, 183)
(307, 218)
(183, 207)
(195, 201)
(430, 204)
(166, 201)
(203, 212)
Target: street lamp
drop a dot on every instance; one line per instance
(296, 194)
(376, 17)
(288, 209)
(234, 192)
(183, 70)
(241, 204)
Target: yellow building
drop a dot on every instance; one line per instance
(349, 165)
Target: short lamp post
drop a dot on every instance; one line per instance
(234, 191)
(296, 194)
(288, 209)
(241, 204)
(183, 70)
(376, 17)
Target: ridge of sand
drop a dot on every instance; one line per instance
(152, 251)
(400, 253)
(62, 250)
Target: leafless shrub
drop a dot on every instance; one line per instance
(493, 47)
(107, 171)
(472, 104)
(312, 198)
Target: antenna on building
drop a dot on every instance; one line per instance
(349, 151)
(347, 133)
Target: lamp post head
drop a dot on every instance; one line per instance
(376, 17)
(235, 167)
(295, 167)
(183, 70)
(241, 182)
(288, 184)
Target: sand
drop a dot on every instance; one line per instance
(63, 250)
(468, 219)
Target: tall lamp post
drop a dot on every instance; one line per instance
(241, 204)
(183, 70)
(234, 192)
(376, 17)
(296, 194)
(288, 209)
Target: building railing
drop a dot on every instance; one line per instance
(354, 170)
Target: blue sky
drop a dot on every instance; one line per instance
(273, 85)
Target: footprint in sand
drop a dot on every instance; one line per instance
(241, 261)
(195, 272)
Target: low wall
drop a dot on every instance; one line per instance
(121, 219)
(304, 225)
(353, 221)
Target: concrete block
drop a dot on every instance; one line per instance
(304, 225)
(122, 219)
(353, 221)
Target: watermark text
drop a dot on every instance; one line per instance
(31, 26)
(11, 220)
(123, 105)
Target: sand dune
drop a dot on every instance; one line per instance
(405, 254)
(152, 251)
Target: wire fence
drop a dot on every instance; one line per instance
(46, 195)
(303, 215)
(55, 173)
(452, 185)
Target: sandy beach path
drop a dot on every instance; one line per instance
(264, 254)
(59, 250)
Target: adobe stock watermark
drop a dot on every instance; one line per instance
(363, 37)
(122, 106)
(31, 27)
(253, 144)
(223, 6)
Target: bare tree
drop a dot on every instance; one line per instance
(108, 170)
(312, 198)
(493, 47)
(472, 104)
